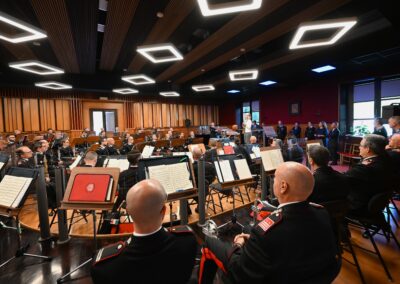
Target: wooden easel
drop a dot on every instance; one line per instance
(89, 206)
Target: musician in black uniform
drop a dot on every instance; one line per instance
(66, 151)
(281, 131)
(211, 154)
(333, 142)
(127, 147)
(373, 175)
(393, 150)
(296, 130)
(152, 255)
(329, 184)
(295, 244)
(90, 159)
(57, 142)
(129, 177)
(310, 131)
(25, 157)
(112, 151)
(102, 150)
(379, 129)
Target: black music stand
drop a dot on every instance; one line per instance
(3, 159)
(231, 184)
(11, 212)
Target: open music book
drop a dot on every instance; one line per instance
(13, 190)
(173, 177)
(147, 151)
(256, 152)
(224, 171)
(76, 162)
(271, 159)
(122, 164)
(242, 169)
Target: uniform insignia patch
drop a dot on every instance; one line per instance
(108, 252)
(269, 222)
(316, 205)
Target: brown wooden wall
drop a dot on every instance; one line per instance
(39, 112)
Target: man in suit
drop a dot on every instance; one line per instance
(295, 244)
(296, 130)
(127, 146)
(102, 150)
(281, 131)
(129, 177)
(333, 142)
(394, 123)
(25, 157)
(329, 184)
(152, 255)
(112, 151)
(373, 175)
(379, 128)
(310, 131)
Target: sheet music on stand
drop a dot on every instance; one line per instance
(189, 154)
(121, 163)
(174, 177)
(13, 190)
(269, 131)
(1, 165)
(256, 152)
(226, 173)
(76, 162)
(147, 151)
(271, 158)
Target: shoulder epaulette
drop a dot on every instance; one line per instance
(269, 222)
(316, 205)
(109, 252)
(184, 229)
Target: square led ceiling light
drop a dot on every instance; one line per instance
(169, 94)
(160, 53)
(53, 85)
(208, 9)
(125, 91)
(241, 75)
(203, 88)
(36, 67)
(138, 79)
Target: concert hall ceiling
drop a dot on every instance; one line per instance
(95, 42)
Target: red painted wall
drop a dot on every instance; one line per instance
(319, 101)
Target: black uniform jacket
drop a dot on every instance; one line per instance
(298, 249)
(372, 176)
(329, 185)
(162, 257)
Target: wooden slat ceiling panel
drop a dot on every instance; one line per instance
(54, 19)
(84, 18)
(175, 13)
(227, 32)
(119, 18)
(315, 11)
(19, 51)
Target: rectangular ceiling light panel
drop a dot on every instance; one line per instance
(36, 67)
(341, 25)
(53, 85)
(228, 7)
(28, 32)
(150, 52)
(169, 94)
(203, 88)
(241, 75)
(125, 91)
(138, 79)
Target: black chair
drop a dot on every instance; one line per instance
(375, 222)
(337, 210)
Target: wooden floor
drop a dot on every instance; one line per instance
(68, 256)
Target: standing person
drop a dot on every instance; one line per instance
(247, 129)
(333, 142)
(310, 131)
(322, 132)
(378, 127)
(296, 130)
(281, 131)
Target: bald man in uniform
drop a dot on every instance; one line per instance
(152, 255)
(295, 244)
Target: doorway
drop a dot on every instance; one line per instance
(103, 118)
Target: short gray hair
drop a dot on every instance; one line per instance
(376, 143)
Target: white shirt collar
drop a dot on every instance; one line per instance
(145, 235)
(287, 203)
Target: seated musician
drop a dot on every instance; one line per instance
(295, 244)
(182, 135)
(102, 150)
(57, 141)
(211, 154)
(25, 157)
(84, 134)
(90, 159)
(154, 138)
(127, 147)
(128, 178)
(152, 255)
(373, 175)
(329, 184)
(393, 150)
(102, 134)
(192, 135)
(66, 152)
(112, 151)
(394, 123)
(49, 136)
(10, 140)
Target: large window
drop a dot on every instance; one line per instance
(390, 94)
(363, 108)
(252, 108)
